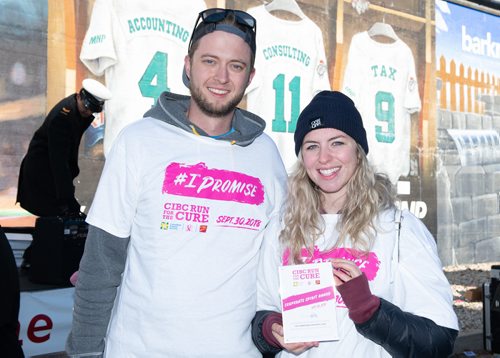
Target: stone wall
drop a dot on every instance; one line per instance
(468, 187)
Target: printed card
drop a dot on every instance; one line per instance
(308, 303)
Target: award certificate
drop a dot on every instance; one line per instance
(308, 302)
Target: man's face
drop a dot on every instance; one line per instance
(219, 73)
(84, 111)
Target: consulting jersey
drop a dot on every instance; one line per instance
(140, 47)
(380, 78)
(408, 274)
(290, 69)
(195, 218)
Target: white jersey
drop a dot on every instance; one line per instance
(290, 69)
(140, 46)
(196, 228)
(416, 283)
(380, 78)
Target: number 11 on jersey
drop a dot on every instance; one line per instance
(279, 124)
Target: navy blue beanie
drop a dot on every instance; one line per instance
(331, 109)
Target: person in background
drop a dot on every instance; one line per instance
(176, 225)
(394, 298)
(9, 301)
(47, 171)
(49, 167)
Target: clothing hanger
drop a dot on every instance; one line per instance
(382, 29)
(286, 5)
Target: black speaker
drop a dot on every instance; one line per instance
(57, 247)
(491, 311)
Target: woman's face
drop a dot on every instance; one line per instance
(330, 159)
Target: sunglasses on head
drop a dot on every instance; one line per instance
(216, 15)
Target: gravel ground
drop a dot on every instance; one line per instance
(464, 278)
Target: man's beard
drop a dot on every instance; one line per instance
(210, 109)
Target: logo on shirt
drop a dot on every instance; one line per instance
(173, 226)
(321, 69)
(412, 84)
(198, 181)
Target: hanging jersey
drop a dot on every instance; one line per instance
(380, 78)
(290, 69)
(140, 47)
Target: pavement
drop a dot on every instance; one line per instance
(466, 346)
(471, 344)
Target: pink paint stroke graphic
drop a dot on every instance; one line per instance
(198, 181)
(369, 264)
(308, 298)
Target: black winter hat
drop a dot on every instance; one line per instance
(331, 109)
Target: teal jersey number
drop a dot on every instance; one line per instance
(157, 69)
(385, 132)
(278, 123)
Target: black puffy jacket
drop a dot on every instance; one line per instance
(402, 334)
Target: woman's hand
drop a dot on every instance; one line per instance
(344, 270)
(295, 348)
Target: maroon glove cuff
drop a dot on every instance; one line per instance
(358, 298)
(267, 332)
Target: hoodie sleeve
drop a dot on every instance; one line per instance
(99, 277)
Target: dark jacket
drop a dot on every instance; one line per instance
(9, 301)
(402, 334)
(47, 171)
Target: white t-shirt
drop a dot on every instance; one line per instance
(380, 78)
(419, 285)
(195, 209)
(140, 46)
(290, 68)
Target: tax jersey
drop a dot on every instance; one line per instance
(416, 283)
(195, 227)
(380, 78)
(290, 69)
(139, 45)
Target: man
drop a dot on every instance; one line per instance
(45, 186)
(49, 167)
(177, 220)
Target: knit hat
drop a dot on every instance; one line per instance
(331, 109)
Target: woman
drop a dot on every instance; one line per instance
(394, 298)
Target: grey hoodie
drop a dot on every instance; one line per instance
(172, 108)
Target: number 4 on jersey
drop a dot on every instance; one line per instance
(154, 79)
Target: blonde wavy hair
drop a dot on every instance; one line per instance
(368, 194)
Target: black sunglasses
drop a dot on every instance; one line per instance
(216, 15)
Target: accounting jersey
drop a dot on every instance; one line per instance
(381, 80)
(139, 45)
(290, 69)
